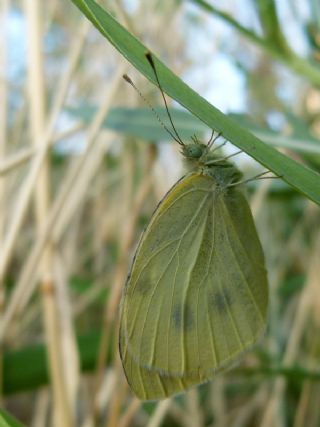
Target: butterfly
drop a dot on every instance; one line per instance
(196, 296)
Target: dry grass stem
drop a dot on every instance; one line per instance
(78, 187)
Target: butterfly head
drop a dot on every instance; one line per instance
(194, 151)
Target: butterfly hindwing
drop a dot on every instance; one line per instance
(196, 295)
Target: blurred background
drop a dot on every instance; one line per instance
(83, 164)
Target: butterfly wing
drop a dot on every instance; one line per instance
(196, 296)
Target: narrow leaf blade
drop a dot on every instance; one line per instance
(298, 176)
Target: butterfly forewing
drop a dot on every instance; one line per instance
(196, 295)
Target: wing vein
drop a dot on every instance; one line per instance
(187, 288)
(237, 261)
(165, 246)
(165, 270)
(222, 291)
(173, 290)
(213, 346)
(177, 199)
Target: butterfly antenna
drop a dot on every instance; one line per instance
(151, 62)
(210, 142)
(128, 80)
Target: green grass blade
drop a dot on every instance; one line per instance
(18, 379)
(298, 176)
(7, 420)
(141, 122)
(302, 66)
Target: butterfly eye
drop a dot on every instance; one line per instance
(194, 151)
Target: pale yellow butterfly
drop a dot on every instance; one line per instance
(197, 293)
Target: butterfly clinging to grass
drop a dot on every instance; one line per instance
(197, 294)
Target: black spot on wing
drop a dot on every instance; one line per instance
(221, 301)
(182, 317)
(141, 284)
(144, 283)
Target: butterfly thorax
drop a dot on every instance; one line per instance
(198, 157)
(224, 173)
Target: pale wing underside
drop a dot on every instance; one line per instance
(197, 294)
